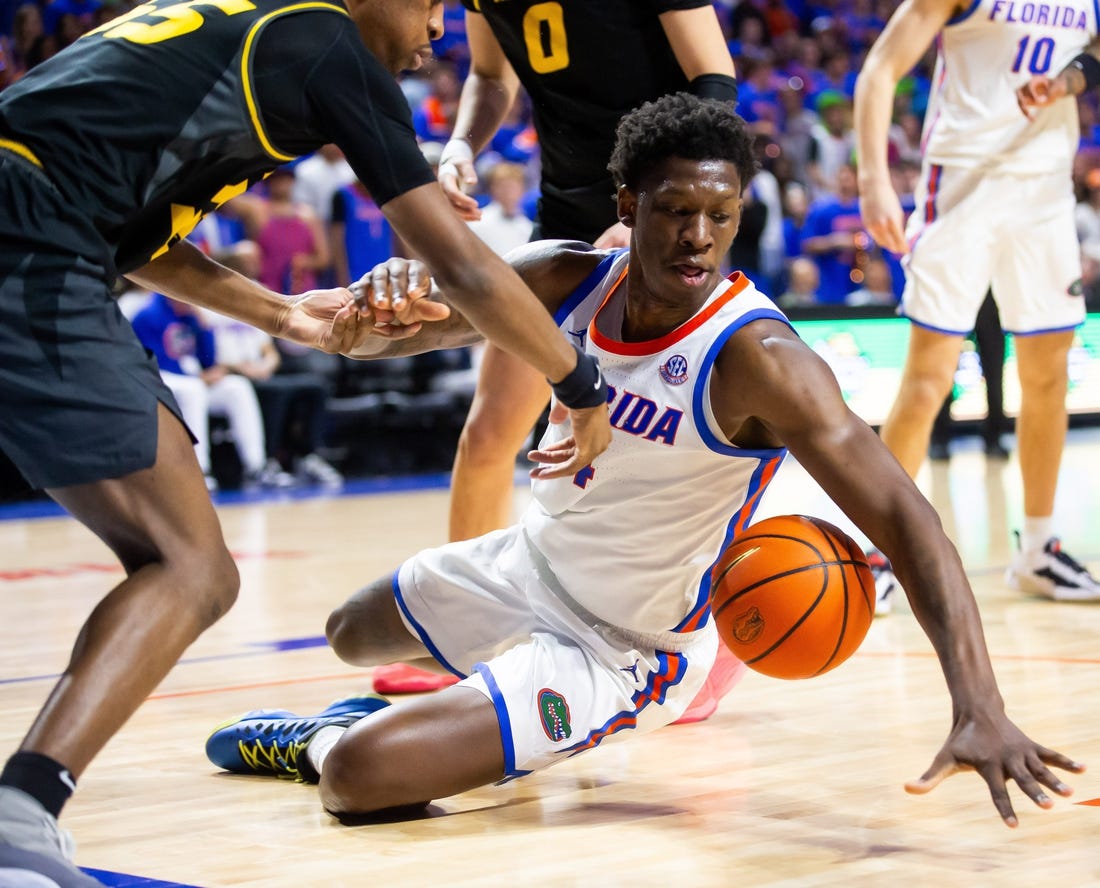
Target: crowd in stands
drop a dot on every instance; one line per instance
(801, 239)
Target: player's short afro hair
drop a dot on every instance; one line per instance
(680, 125)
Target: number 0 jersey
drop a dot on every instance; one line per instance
(633, 536)
(161, 115)
(585, 63)
(985, 53)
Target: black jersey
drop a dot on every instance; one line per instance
(585, 63)
(161, 115)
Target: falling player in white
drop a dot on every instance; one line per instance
(588, 621)
(994, 209)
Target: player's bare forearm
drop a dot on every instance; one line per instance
(185, 273)
(453, 332)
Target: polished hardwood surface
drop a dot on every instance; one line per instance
(789, 784)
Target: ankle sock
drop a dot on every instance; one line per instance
(1035, 534)
(39, 776)
(321, 743)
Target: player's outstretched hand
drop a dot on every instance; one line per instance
(591, 437)
(1039, 92)
(327, 320)
(880, 210)
(999, 751)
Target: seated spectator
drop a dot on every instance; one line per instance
(184, 349)
(503, 225)
(293, 404)
(292, 242)
(803, 280)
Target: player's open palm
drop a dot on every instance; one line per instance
(999, 751)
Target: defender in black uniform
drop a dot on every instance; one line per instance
(585, 64)
(109, 154)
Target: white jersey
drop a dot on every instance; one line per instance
(632, 538)
(985, 53)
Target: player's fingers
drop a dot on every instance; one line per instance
(998, 791)
(1030, 786)
(380, 287)
(398, 271)
(943, 766)
(1057, 760)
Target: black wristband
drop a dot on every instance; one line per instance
(715, 86)
(584, 386)
(1089, 66)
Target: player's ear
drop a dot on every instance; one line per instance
(627, 206)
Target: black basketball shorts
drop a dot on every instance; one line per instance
(78, 392)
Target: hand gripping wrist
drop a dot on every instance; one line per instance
(584, 386)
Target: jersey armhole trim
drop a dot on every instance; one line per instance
(964, 15)
(246, 70)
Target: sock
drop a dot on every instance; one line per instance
(39, 776)
(1035, 534)
(321, 743)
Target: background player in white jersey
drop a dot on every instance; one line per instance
(994, 208)
(588, 620)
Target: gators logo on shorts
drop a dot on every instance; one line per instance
(554, 712)
(747, 627)
(1077, 288)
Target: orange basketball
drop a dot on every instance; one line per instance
(792, 596)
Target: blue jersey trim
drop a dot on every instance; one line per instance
(1068, 329)
(585, 287)
(502, 719)
(965, 14)
(421, 632)
(703, 375)
(740, 519)
(935, 329)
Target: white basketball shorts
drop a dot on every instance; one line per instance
(972, 230)
(562, 682)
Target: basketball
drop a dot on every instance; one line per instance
(792, 596)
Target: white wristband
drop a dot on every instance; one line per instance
(456, 151)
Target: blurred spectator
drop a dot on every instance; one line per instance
(766, 190)
(26, 28)
(797, 132)
(758, 90)
(796, 203)
(503, 225)
(434, 117)
(293, 244)
(833, 235)
(43, 47)
(359, 235)
(833, 141)
(185, 352)
(293, 405)
(319, 177)
(803, 279)
(515, 140)
(453, 47)
(878, 286)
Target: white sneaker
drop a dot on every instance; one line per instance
(271, 475)
(316, 469)
(1052, 573)
(886, 584)
(25, 824)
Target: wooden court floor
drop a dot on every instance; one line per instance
(789, 784)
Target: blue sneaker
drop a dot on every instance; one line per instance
(273, 741)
